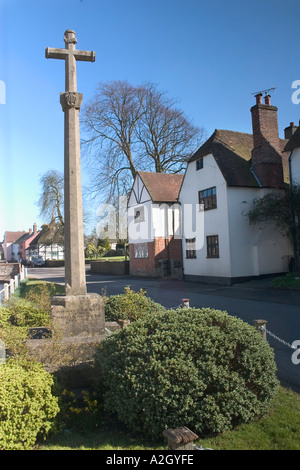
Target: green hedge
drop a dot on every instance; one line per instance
(27, 405)
(198, 368)
(129, 306)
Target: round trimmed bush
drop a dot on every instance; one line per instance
(199, 368)
(27, 405)
(130, 305)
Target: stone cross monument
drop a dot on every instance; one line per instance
(77, 317)
(75, 283)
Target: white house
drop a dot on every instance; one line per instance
(8, 244)
(224, 176)
(293, 152)
(154, 225)
(48, 243)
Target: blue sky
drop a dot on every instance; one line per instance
(210, 56)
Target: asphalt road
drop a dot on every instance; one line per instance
(249, 301)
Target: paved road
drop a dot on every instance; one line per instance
(249, 301)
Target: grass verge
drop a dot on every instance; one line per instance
(279, 430)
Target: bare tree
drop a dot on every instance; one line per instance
(134, 128)
(168, 138)
(51, 200)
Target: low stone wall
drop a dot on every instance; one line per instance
(119, 268)
(54, 263)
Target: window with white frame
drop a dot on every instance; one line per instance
(141, 250)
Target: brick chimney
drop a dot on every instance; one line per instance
(34, 228)
(266, 152)
(289, 131)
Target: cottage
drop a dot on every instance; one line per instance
(7, 244)
(222, 179)
(154, 225)
(22, 243)
(48, 243)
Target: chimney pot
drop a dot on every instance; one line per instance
(289, 131)
(268, 99)
(258, 98)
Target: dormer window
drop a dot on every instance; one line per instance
(199, 164)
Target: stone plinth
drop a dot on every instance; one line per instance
(78, 315)
(78, 327)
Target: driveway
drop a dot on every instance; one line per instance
(249, 301)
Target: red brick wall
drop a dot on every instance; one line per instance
(266, 153)
(159, 249)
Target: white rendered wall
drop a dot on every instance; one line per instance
(255, 249)
(295, 165)
(215, 220)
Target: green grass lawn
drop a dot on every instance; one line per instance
(279, 430)
(110, 258)
(30, 283)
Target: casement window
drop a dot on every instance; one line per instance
(190, 248)
(199, 164)
(139, 215)
(208, 197)
(141, 250)
(212, 244)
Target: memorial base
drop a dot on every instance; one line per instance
(78, 327)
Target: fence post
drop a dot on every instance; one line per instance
(12, 286)
(16, 281)
(6, 291)
(260, 325)
(180, 438)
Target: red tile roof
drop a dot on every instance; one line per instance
(11, 237)
(232, 152)
(162, 187)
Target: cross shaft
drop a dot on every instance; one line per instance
(75, 283)
(70, 54)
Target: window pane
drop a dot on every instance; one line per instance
(212, 246)
(208, 198)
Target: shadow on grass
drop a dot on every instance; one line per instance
(110, 435)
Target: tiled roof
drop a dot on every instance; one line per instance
(24, 237)
(162, 187)
(11, 237)
(232, 152)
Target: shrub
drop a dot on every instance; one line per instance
(26, 315)
(289, 280)
(129, 306)
(4, 316)
(81, 413)
(27, 405)
(198, 368)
